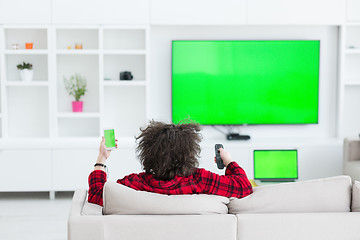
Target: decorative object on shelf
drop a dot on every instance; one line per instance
(76, 86)
(15, 46)
(78, 46)
(26, 71)
(126, 76)
(28, 45)
(68, 47)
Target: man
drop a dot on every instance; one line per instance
(169, 156)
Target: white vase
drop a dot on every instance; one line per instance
(26, 75)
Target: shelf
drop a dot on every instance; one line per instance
(352, 51)
(78, 115)
(351, 84)
(27, 84)
(125, 52)
(77, 52)
(24, 52)
(114, 83)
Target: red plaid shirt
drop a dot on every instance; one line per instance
(233, 184)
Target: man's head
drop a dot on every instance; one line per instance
(166, 150)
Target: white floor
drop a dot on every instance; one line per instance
(34, 216)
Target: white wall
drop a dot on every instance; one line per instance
(317, 157)
(160, 107)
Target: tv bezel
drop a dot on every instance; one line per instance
(278, 179)
(244, 124)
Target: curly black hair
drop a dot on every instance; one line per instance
(169, 150)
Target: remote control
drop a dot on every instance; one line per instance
(219, 161)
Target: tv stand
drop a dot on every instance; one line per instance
(237, 136)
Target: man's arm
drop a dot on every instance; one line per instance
(97, 178)
(233, 184)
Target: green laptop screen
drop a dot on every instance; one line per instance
(275, 165)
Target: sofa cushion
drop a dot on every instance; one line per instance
(321, 195)
(355, 205)
(298, 226)
(119, 199)
(168, 227)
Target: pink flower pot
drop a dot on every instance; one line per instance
(77, 106)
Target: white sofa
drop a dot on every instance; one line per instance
(316, 209)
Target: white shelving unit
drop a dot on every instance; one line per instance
(70, 61)
(106, 52)
(349, 84)
(129, 97)
(25, 105)
(39, 112)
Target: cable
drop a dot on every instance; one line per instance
(218, 130)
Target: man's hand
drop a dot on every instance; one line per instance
(225, 156)
(103, 153)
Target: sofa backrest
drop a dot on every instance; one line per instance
(322, 195)
(119, 199)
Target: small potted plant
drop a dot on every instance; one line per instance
(76, 86)
(26, 71)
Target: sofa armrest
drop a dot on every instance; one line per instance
(89, 227)
(77, 202)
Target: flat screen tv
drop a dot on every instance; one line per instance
(275, 165)
(245, 82)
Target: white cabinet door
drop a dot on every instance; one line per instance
(203, 12)
(296, 12)
(25, 170)
(25, 11)
(97, 12)
(71, 168)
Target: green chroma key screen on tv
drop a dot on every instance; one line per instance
(275, 165)
(245, 82)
